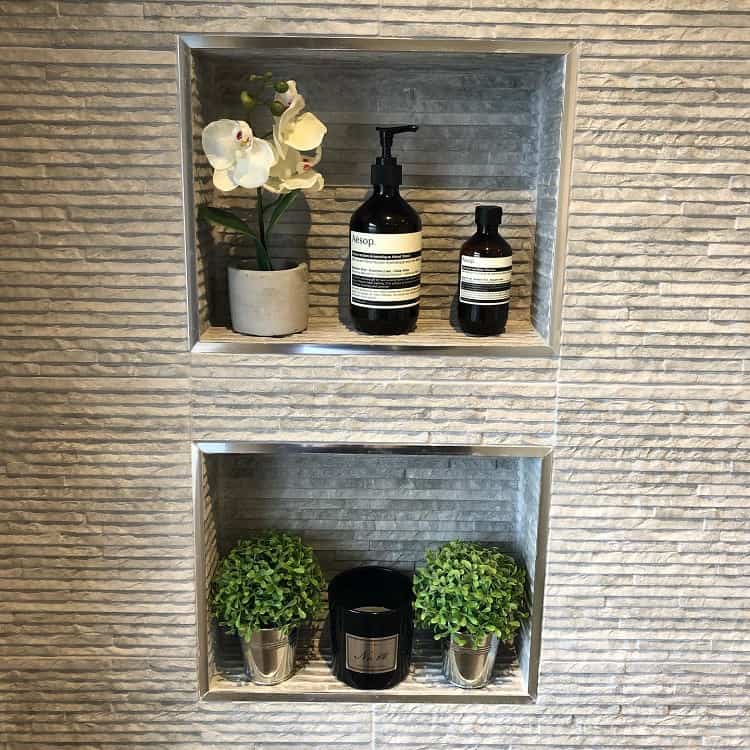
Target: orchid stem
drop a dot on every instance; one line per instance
(264, 259)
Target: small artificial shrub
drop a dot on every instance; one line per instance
(270, 581)
(468, 590)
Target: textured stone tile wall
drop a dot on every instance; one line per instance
(646, 621)
(526, 525)
(547, 190)
(380, 509)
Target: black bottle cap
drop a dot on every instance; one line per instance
(386, 170)
(488, 216)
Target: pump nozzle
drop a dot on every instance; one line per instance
(386, 136)
(386, 170)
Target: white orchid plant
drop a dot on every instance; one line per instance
(280, 162)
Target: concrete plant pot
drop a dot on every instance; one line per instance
(268, 303)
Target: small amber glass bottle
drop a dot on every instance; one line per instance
(484, 276)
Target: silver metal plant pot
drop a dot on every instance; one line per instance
(269, 656)
(470, 666)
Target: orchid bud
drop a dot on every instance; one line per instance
(277, 108)
(281, 86)
(247, 99)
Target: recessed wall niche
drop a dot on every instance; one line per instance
(370, 505)
(495, 122)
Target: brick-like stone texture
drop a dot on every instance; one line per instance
(383, 509)
(646, 618)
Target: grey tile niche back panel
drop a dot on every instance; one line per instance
(380, 509)
(482, 120)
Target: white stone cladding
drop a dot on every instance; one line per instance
(646, 614)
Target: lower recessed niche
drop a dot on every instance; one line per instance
(370, 505)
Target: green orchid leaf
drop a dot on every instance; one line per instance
(282, 204)
(228, 220)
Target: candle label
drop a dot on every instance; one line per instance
(371, 655)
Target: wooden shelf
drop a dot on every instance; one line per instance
(330, 336)
(313, 681)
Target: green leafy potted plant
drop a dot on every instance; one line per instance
(265, 300)
(473, 597)
(263, 590)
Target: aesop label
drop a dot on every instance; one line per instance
(371, 655)
(386, 269)
(485, 281)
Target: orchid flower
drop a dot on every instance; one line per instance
(239, 158)
(295, 172)
(299, 130)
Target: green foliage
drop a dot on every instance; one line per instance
(281, 204)
(220, 217)
(469, 590)
(270, 581)
(251, 99)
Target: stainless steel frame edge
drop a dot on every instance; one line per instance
(540, 575)
(186, 43)
(199, 571)
(461, 697)
(249, 446)
(242, 41)
(185, 122)
(250, 346)
(201, 448)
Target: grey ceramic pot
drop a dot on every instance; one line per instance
(268, 303)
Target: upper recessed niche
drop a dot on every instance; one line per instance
(494, 121)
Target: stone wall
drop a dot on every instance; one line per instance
(646, 634)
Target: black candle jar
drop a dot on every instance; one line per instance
(371, 619)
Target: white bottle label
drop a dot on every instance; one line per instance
(386, 269)
(485, 281)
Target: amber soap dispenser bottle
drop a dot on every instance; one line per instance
(484, 276)
(385, 245)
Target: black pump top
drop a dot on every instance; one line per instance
(386, 170)
(488, 216)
